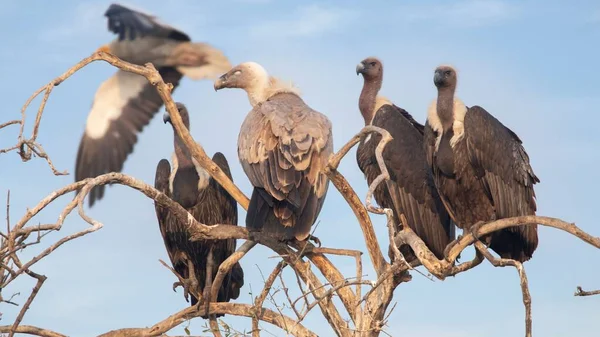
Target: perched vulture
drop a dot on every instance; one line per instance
(480, 168)
(193, 188)
(283, 147)
(411, 190)
(126, 102)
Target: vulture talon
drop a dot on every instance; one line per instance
(315, 240)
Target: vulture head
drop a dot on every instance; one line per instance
(247, 76)
(445, 77)
(183, 112)
(254, 79)
(371, 68)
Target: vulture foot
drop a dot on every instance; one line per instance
(315, 240)
(473, 229)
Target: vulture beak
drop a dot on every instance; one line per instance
(166, 118)
(221, 82)
(438, 78)
(105, 49)
(360, 68)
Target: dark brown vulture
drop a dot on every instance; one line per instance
(411, 190)
(192, 187)
(126, 102)
(481, 169)
(283, 146)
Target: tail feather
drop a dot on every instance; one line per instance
(261, 216)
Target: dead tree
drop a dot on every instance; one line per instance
(358, 315)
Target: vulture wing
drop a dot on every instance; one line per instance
(228, 207)
(500, 161)
(123, 105)
(161, 183)
(130, 23)
(411, 187)
(283, 147)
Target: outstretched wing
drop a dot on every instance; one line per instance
(123, 105)
(130, 23)
(283, 147)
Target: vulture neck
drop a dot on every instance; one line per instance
(368, 97)
(184, 158)
(264, 87)
(445, 106)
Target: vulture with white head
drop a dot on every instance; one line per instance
(283, 147)
(126, 102)
(410, 190)
(193, 188)
(481, 169)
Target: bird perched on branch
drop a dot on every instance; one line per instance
(188, 184)
(481, 169)
(283, 146)
(410, 190)
(126, 102)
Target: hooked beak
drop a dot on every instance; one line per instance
(438, 78)
(166, 117)
(360, 68)
(221, 82)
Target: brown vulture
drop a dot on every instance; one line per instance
(193, 188)
(283, 146)
(126, 102)
(411, 190)
(480, 168)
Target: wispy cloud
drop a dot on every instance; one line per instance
(308, 20)
(85, 20)
(466, 13)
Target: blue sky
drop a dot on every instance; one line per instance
(532, 64)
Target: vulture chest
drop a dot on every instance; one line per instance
(460, 186)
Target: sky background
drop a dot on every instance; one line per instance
(532, 64)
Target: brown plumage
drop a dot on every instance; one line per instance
(125, 103)
(410, 190)
(189, 185)
(283, 146)
(481, 169)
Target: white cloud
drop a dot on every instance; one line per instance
(306, 21)
(468, 13)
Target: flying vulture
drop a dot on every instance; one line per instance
(283, 147)
(192, 187)
(126, 102)
(411, 190)
(480, 168)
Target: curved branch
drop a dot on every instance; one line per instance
(31, 330)
(237, 309)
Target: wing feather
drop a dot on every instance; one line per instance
(498, 155)
(283, 147)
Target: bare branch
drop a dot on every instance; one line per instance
(522, 276)
(31, 330)
(236, 309)
(581, 292)
(258, 302)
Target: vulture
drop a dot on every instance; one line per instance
(283, 147)
(410, 190)
(126, 102)
(193, 188)
(481, 169)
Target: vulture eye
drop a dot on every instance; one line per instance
(373, 64)
(448, 72)
(237, 72)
